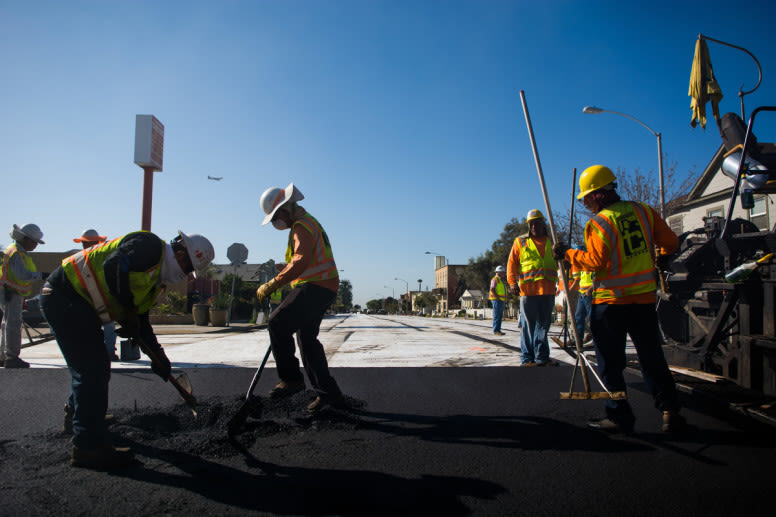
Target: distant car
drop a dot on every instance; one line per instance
(31, 313)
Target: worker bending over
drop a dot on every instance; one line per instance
(118, 280)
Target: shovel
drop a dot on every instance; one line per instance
(245, 408)
(182, 383)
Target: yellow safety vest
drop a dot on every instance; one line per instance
(8, 279)
(321, 265)
(626, 227)
(585, 279)
(533, 265)
(501, 290)
(85, 272)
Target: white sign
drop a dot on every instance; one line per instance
(149, 142)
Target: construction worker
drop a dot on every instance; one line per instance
(498, 297)
(17, 273)
(88, 239)
(314, 280)
(621, 239)
(582, 283)
(533, 274)
(115, 281)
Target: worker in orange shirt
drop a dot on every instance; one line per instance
(314, 280)
(621, 239)
(533, 274)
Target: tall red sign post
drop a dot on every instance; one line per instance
(149, 150)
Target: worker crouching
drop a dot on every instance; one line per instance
(314, 280)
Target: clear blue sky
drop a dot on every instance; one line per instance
(400, 121)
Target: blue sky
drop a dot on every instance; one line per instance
(400, 121)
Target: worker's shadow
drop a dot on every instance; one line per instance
(310, 491)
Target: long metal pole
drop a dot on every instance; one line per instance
(571, 231)
(561, 270)
(148, 194)
(660, 173)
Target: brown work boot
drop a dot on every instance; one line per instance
(673, 422)
(321, 402)
(104, 457)
(286, 389)
(67, 423)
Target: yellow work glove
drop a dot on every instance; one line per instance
(263, 292)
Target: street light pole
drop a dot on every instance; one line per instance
(592, 110)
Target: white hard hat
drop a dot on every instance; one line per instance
(31, 231)
(500, 269)
(90, 235)
(200, 251)
(275, 197)
(533, 214)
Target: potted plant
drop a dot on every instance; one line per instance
(219, 309)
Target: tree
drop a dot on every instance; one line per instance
(479, 271)
(344, 300)
(374, 305)
(391, 305)
(424, 301)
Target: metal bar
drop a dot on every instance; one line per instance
(561, 270)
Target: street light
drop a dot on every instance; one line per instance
(407, 284)
(393, 291)
(592, 110)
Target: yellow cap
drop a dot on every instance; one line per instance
(593, 178)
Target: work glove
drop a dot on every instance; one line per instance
(559, 250)
(263, 292)
(130, 324)
(664, 262)
(161, 365)
(514, 289)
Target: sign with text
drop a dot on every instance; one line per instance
(149, 142)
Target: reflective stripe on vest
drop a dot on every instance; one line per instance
(626, 228)
(7, 277)
(85, 272)
(501, 290)
(533, 265)
(321, 265)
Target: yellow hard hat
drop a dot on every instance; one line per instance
(533, 214)
(593, 178)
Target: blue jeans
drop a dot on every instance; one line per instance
(610, 325)
(498, 314)
(78, 332)
(535, 320)
(582, 313)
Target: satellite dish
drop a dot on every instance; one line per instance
(237, 253)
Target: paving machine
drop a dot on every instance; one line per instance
(719, 326)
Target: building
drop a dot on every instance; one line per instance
(447, 285)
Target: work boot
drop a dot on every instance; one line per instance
(15, 362)
(67, 423)
(104, 457)
(673, 422)
(321, 402)
(499, 333)
(286, 389)
(610, 426)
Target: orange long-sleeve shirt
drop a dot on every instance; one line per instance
(538, 287)
(303, 243)
(598, 255)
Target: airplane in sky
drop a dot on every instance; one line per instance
(219, 178)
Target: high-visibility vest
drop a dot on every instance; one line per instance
(8, 279)
(321, 265)
(501, 289)
(85, 272)
(626, 228)
(533, 265)
(585, 279)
